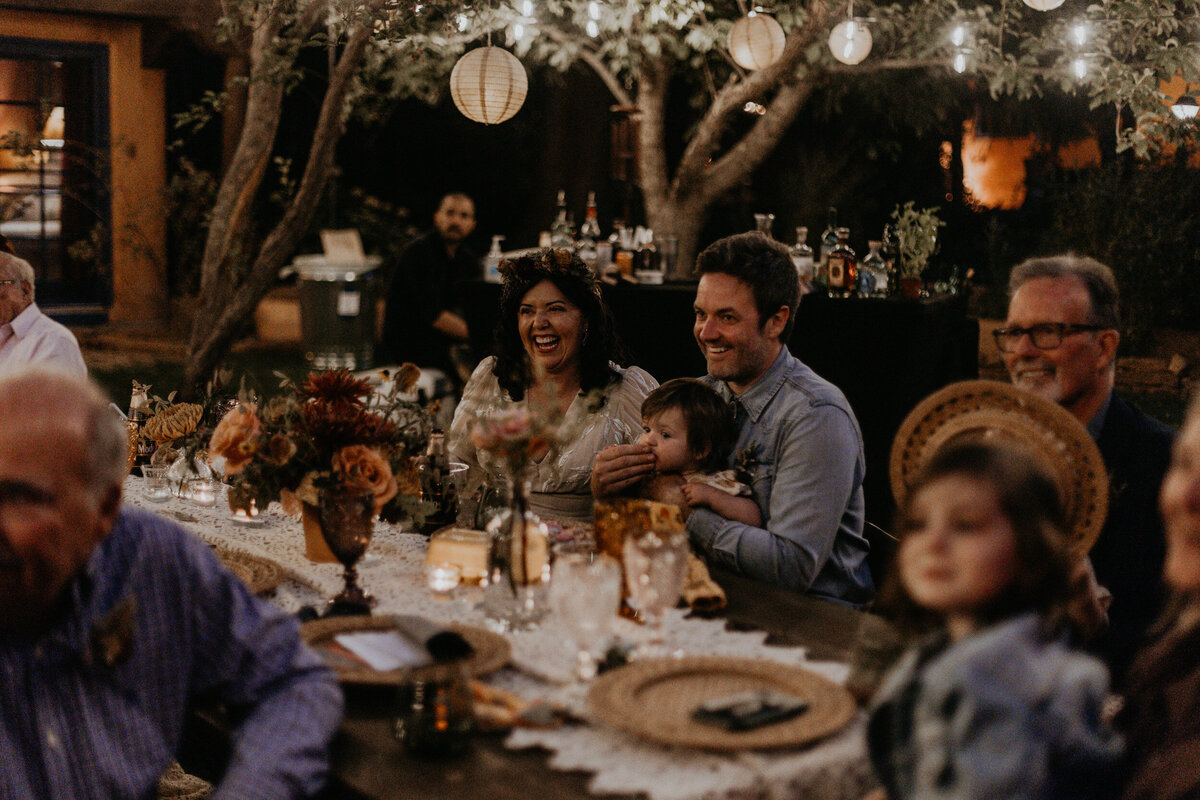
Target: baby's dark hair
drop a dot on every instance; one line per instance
(708, 418)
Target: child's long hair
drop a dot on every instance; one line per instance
(708, 418)
(1029, 499)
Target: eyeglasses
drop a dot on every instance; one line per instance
(1046, 336)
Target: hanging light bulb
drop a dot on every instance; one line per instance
(961, 61)
(850, 41)
(756, 41)
(1043, 5)
(527, 8)
(594, 10)
(1079, 34)
(488, 85)
(592, 28)
(958, 35)
(1080, 67)
(518, 31)
(462, 22)
(1185, 108)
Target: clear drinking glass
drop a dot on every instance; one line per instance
(157, 489)
(585, 593)
(655, 566)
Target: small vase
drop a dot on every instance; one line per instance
(315, 548)
(347, 522)
(518, 570)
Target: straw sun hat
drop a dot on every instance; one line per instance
(991, 410)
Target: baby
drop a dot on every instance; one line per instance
(690, 430)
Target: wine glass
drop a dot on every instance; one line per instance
(655, 566)
(347, 521)
(585, 593)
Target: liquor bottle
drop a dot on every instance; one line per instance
(829, 241)
(802, 257)
(560, 229)
(139, 413)
(589, 234)
(437, 485)
(891, 255)
(491, 262)
(843, 266)
(874, 268)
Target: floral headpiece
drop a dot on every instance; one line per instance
(547, 263)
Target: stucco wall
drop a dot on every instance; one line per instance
(137, 128)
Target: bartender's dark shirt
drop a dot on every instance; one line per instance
(425, 282)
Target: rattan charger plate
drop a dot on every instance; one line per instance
(991, 410)
(491, 650)
(259, 574)
(654, 699)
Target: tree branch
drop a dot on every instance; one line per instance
(596, 64)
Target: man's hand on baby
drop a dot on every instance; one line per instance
(620, 466)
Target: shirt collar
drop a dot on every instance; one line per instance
(755, 399)
(22, 322)
(1096, 423)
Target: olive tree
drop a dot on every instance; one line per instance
(1113, 52)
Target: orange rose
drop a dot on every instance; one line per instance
(361, 467)
(237, 438)
(279, 450)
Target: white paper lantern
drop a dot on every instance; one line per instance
(756, 41)
(850, 41)
(488, 85)
(1043, 5)
(1185, 108)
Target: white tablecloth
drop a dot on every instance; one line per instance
(393, 571)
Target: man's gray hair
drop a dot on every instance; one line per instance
(104, 431)
(1096, 277)
(18, 269)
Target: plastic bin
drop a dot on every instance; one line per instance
(337, 311)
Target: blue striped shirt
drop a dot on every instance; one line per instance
(93, 708)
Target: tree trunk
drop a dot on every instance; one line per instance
(226, 304)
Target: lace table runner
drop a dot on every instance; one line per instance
(393, 571)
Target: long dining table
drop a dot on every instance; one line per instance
(582, 758)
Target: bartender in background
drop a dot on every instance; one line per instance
(424, 320)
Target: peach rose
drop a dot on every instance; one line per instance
(279, 450)
(237, 438)
(361, 467)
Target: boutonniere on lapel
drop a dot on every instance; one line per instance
(111, 639)
(747, 460)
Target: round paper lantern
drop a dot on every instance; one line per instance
(756, 41)
(488, 85)
(1185, 108)
(850, 41)
(1043, 5)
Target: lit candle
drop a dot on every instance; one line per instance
(203, 491)
(443, 578)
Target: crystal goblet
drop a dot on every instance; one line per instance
(655, 567)
(585, 593)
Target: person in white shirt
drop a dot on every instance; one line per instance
(27, 336)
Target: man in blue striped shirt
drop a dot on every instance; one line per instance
(112, 621)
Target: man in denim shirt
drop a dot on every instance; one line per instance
(797, 437)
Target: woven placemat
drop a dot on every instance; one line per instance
(259, 574)
(654, 699)
(990, 410)
(491, 650)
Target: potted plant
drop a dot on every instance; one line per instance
(917, 230)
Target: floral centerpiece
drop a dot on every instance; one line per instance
(330, 434)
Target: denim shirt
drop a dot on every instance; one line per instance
(802, 447)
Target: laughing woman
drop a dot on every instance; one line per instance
(556, 352)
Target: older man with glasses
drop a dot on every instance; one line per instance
(27, 336)
(1060, 342)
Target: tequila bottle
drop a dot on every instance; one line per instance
(589, 233)
(829, 240)
(843, 266)
(873, 270)
(560, 229)
(802, 257)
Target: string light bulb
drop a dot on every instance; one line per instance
(1079, 66)
(1079, 34)
(958, 35)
